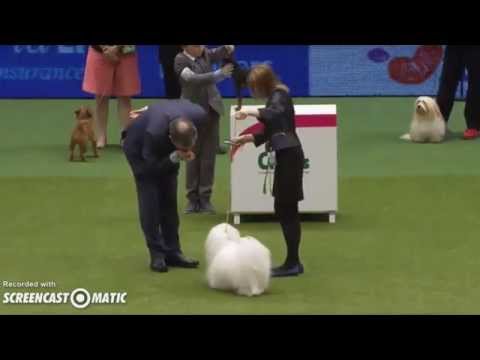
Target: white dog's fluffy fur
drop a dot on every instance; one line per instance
(234, 263)
(427, 124)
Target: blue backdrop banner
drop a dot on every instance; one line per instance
(56, 71)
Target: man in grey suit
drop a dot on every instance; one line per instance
(198, 81)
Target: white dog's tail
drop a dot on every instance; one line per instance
(406, 137)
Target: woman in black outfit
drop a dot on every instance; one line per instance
(280, 136)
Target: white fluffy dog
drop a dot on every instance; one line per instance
(427, 124)
(234, 263)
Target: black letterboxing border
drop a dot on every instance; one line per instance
(251, 337)
(246, 22)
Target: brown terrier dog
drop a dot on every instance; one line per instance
(83, 133)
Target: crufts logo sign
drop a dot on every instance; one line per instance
(264, 164)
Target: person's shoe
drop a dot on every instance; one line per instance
(471, 134)
(179, 260)
(159, 265)
(192, 207)
(206, 207)
(221, 150)
(101, 142)
(284, 271)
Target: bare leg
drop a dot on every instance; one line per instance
(124, 108)
(101, 120)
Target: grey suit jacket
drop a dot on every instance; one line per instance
(201, 87)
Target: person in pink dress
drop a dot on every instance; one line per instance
(111, 70)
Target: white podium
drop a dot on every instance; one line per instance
(317, 129)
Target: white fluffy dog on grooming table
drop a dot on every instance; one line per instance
(234, 263)
(427, 124)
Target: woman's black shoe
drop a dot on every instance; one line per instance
(284, 271)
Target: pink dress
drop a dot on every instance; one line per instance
(106, 79)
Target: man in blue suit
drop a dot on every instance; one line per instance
(159, 138)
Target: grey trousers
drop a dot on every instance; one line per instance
(201, 171)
